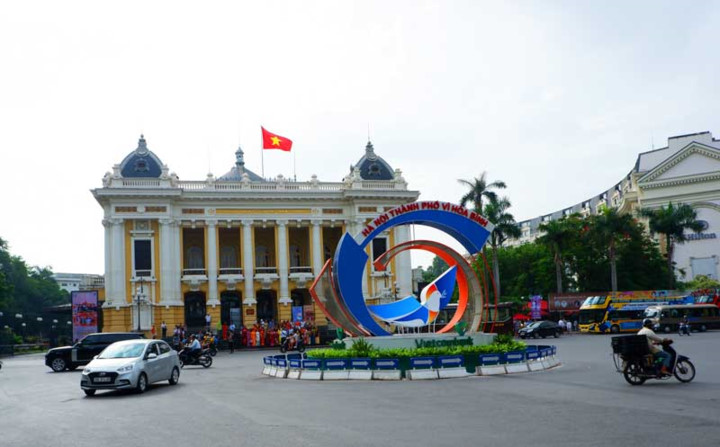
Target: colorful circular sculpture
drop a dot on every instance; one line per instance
(338, 288)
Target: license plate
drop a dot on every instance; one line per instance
(102, 379)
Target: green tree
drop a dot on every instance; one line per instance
(702, 282)
(436, 269)
(479, 188)
(505, 226)
(672, 221)
(528, 270)
(609, 228)
(558, 236)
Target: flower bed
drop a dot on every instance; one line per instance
(361, 349)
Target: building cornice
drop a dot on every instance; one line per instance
(649, 179)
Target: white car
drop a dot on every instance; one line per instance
(131, 364)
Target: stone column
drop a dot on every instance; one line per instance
(248, 262)
(176, 252)
(118, 263)
(212, 267)
(109, 284)
(283, 262)
(403, 265)
(166, 271)
(318, 249)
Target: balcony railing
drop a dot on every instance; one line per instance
(301, 269)
(188, 272)
(266, 270)
(230, 271)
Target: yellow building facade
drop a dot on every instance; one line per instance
(236, 247)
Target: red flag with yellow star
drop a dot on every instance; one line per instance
(273, 141)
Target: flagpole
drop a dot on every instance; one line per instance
(294, 171)
(262, 160)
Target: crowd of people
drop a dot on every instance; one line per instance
(267, 333)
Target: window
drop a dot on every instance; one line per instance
(164, 348)
(379, 246)
(142, 257)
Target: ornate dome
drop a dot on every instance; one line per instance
(373, 167)
(141, 162)
(238, 171)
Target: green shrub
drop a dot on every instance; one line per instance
(366, 350)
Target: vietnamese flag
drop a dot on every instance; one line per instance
(272, 141)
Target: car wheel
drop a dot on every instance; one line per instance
(58, 364)
(89, 393)
(614, 328)
(141, 384)
(667, 329)
(703, 328)
(556, 334)
(175, 376)
(536, 335)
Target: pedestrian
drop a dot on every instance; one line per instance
(231, 338)
(568, 325)
(208, 319)
(152, 331)
(561, 323)
(163, 330)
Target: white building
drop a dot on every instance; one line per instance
(687, 171)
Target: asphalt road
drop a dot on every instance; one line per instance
(583, 402)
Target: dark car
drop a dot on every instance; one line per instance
(539, 329)
(81, 353)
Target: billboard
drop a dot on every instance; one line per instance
(84, 313)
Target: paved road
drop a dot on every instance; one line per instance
(583, 402)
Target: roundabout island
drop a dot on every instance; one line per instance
(396, 340)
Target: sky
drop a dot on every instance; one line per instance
(555, 98)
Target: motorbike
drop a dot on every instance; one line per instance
(299, 345)
(684, 328)
(637, 364)
(203, 359)
(211, 349)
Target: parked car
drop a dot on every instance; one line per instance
(131, 364)
(539, 329)
(70, 357)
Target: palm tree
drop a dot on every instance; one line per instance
(558, 236)
(505, 227)
(609, 228)
(479, 188)
(672, 221)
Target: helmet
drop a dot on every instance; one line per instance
(648, 323)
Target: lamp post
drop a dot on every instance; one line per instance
(138, 296)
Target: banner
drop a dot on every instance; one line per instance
(535, 307)
(84, 313)
(297, 313)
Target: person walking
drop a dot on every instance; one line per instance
(163, 330)
(208, 319)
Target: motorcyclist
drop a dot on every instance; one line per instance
(194, 348)
(654, 343)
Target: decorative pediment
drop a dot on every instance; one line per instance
(694, 163)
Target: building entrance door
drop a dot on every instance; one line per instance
(230, 308)
(195, 311)
(266, 305)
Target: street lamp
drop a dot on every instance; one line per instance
(138, 296)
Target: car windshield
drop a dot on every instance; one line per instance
(123, 351)
(534, 324)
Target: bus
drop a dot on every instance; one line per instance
(707, 296)
(500, 317)
(622, 311)
(700, 316)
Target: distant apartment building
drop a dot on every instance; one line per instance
(687, 171)
(73, 282)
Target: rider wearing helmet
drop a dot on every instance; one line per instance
(655, 343)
